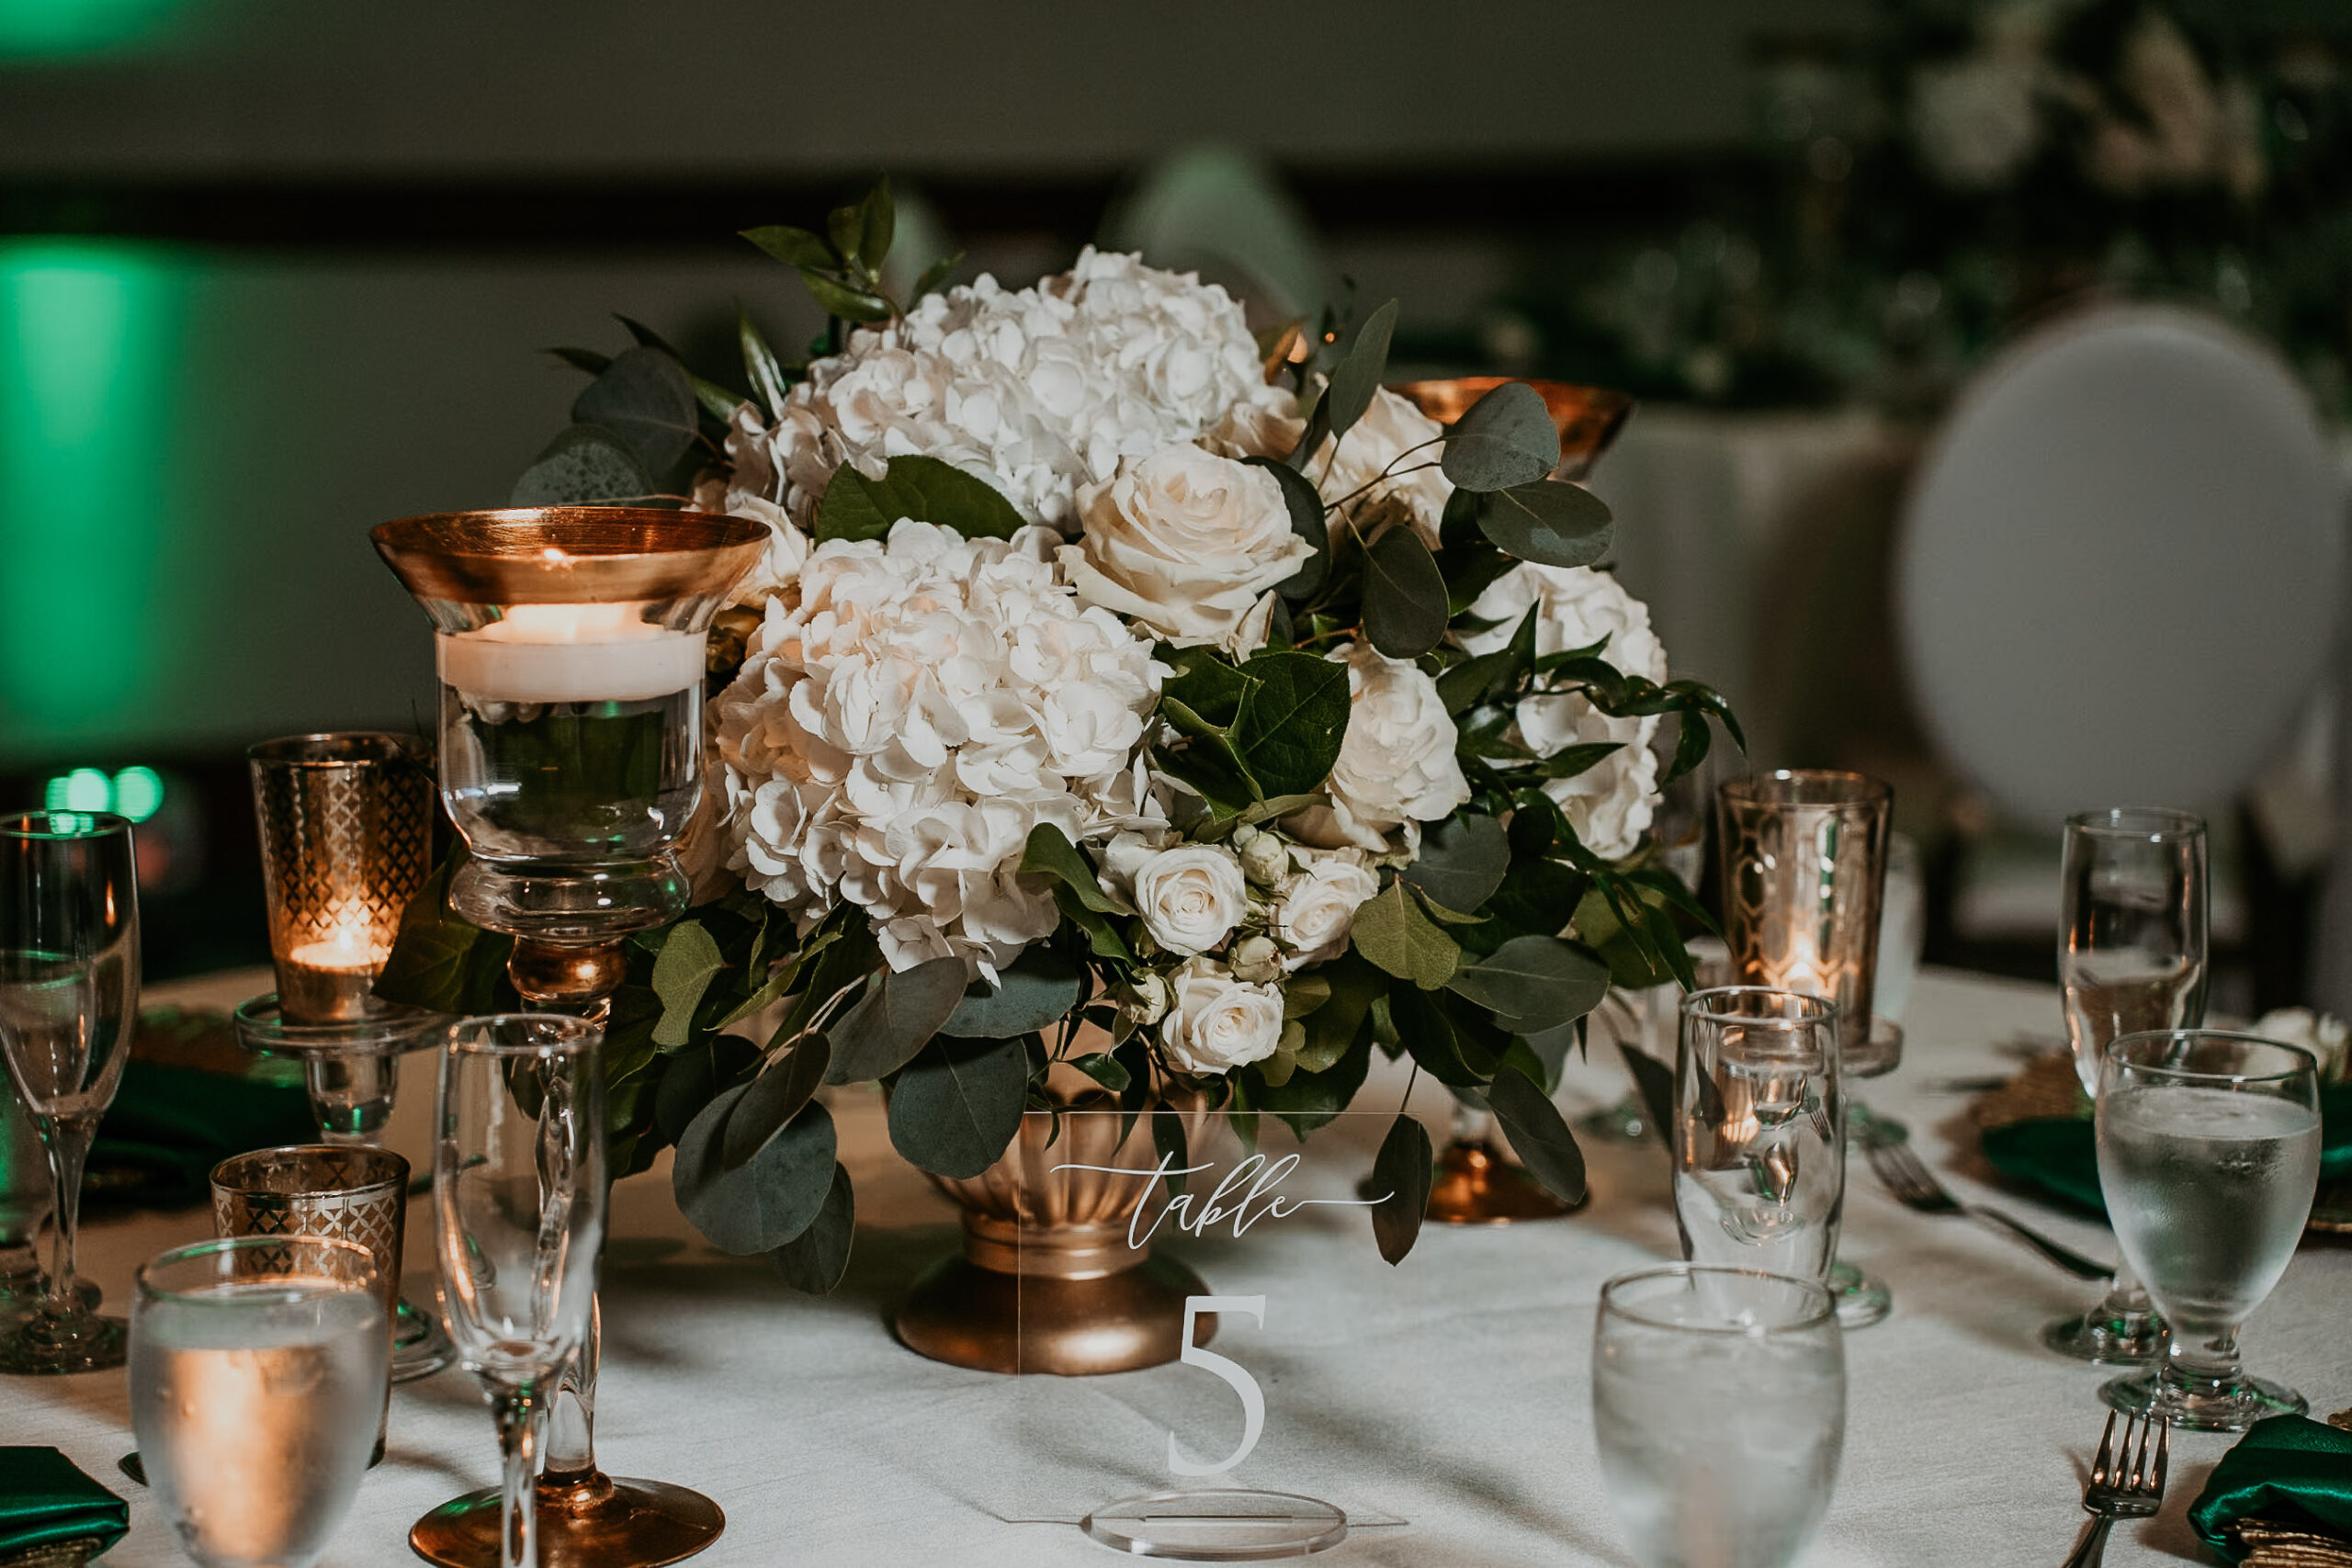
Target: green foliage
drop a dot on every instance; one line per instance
(1034, 992)
(1534, 983)
(1356, 379)
(956, 1106)
(680, 975)
(1400, 1173)
(1304, 505)
(1463, 861)
(1394, 932)
(645, 400)
(1505, 438)
(1538, 1133)
(1404, 595)
(759, 1205)
(770, 1100)
(923, 489)
(1550, 521)
(583, 466)
(897, 1017)
(814, 1261)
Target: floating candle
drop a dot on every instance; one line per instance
(570, 653)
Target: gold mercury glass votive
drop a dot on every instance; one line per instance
(347, 832)
(1803, 863)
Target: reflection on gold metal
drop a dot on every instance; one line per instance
(1474, 1185)
(565, 976)
(1588, 417)
(569, 555)
(1048, 1282)
(586, 1520)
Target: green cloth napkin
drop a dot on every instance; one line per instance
(169, 1126)
(45, 1498)
(2288, 1469)
(2060, 1155)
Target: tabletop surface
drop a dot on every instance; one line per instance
(1445, 1404)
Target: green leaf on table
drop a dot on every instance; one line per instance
(814, 1261)
(759, 364)
(1356, 379)
(681, 972)
(846, 301)
(793, 247)
(693, 1077)
(1392, 932)
(1306, 520)
(1400, 1173)
(586, 465)
(1292, 721)
(957, 1105)
(1464, 859)
(893, 1021)
(1505, 438)
(1550, 522)
(759, 1206)
(1050, 853)
(643, 397)
(1404, 595)
(770, 1100)
(923, 489)
(1034, 992)
(1538, 1133)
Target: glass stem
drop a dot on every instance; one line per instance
(2126, 1298)
(571, 1432)
(67, 1141)
(351, 1097)
(521, 1413)
(2206, 1369)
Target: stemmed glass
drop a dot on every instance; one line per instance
(518, 1208)
(2208, 1146)
(2131, 956)
(1719, 1403)
(69, 994)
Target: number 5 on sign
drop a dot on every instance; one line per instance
(1235, 1377)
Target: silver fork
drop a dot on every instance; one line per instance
(2124, 1485)
(1915, 1187)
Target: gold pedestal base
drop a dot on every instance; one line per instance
(588, 1520)
(970, 1317)
(1476, 1186)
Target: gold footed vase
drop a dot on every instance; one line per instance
(1047, 1280)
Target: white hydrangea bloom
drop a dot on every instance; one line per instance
(1036, 391)
(1609, 804)
(904, 720)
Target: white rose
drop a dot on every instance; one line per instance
(1147, 1000)
(1219, 1023)
(1609, 804)
(1267, 427)
(1191, 897)
(1182, 542)
(1397, 767)
(1265, 859)
(1392, 433)
(1256, 960)
(1318, 908)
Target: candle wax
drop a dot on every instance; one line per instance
(570, 653)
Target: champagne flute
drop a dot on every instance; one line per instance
(2208, 1146)
(518, 1208)
(2131, 956)
(69, 997)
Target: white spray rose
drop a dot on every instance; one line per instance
(1392, 433)
(1265, 859)
(1609, 804)
(1184, 542)
(1257, 959)
(1318, 905)
(1147, 999)
(1192, 896)
(1397, 767)
(1219, 1023)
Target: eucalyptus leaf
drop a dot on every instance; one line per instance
(774, 1098)
(845, 301)
(794, 247)
(681, 972)
(693, 1077)
(586, 359)
(1538, 1133)
(1443, 1041)
(957, 1105)
(1550, 522)
(1505, 438)
(1311, 1099)
(1391, 931)
(1292, 721)
(1534, 982)
(586, 465)
(894, 1019)
(1307, 520)
(923, 489)
(1400, 1173)
(1404, 595)
(1034, 992)
(439, 961)
(1356, 379)
(643, 397)
(760, 1206)
(814, 1261)
(1463, 860)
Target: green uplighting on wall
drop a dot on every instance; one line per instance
(135, 793)
(37, 29)
(89, 347)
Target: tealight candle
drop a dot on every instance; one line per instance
(570, 653)
(331, 980)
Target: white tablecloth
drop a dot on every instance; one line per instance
(826, 1442)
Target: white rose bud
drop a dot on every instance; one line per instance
(1147, 1001)
(1191, 897)
(1219, 1023)
(1319, 909)
(1256, 960)
(1265, 859)
(1184, 542)
(1397, 767)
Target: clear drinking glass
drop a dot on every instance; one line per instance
(258, 1370)
(2208, 1147)
(518, 1208)
(2131, 956)
(69, 999)
(24, 1204)
(1760, 1136)
(1718, 1403)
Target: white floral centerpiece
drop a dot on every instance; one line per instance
(1106, 668)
